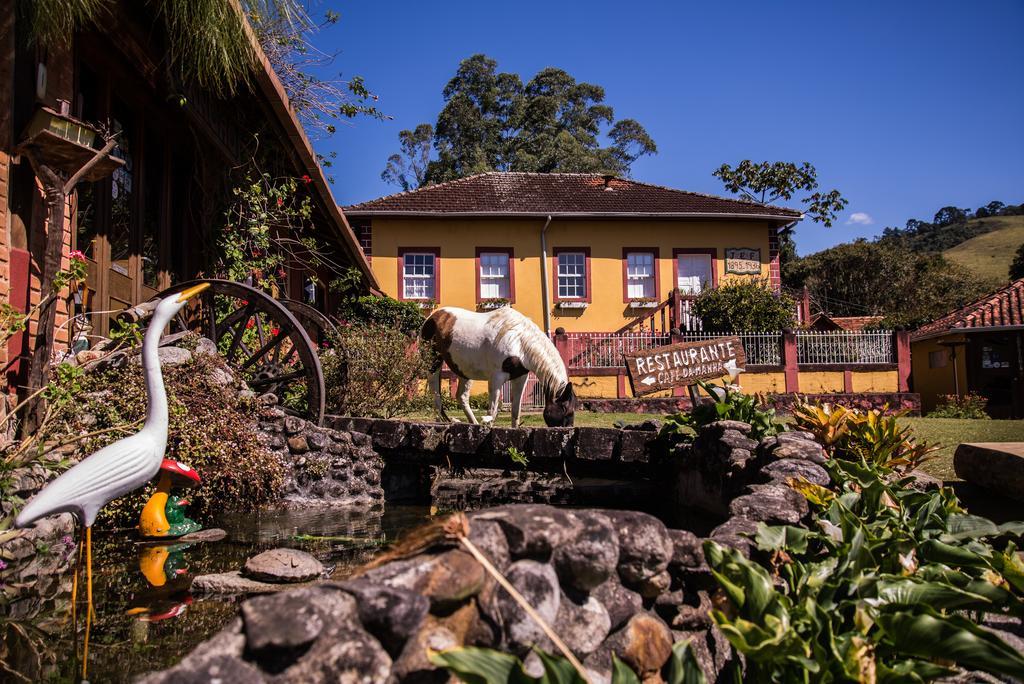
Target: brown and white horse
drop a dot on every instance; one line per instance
(498, 346)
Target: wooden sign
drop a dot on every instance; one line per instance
(684, 363)
(743, 260)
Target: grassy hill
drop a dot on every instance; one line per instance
(989, 255)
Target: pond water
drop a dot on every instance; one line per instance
(146, 618)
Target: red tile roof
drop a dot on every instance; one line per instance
(1002, 308)
(561, 194)
(821, 321)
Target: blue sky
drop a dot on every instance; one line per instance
(903, 106)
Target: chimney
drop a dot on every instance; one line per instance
(608, 181)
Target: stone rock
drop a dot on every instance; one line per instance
(298, 444)
(645, 644)
(533, 530)
(316, 440)
(634, 445)
(218, 668)
(220, 377)
(737, 425)
(505, 438)
(293, 425)
(582, 626)
(652, 425)
(538, 584)
(283, 622)
(488, 536)
(924, 482)
(234, 583)
(645, 548)
(171, 356)
(389, 434)
(267, 399)
(427, 437)
(206, 347)
(592, 557)
(596, 444)
(736, 533)
(465, 438)
(797, 469)
(391, 614)
(446, 579)
(87, 355)
(651, 587)
(802, 449)
(210, 535)
(553, 443)
(347, 655)
(771, 503)
(283, 566)
(998, 467)
(620, 603)
(694, 617)
(687, 549)
(734, 439)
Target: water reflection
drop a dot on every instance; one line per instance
(146, 618)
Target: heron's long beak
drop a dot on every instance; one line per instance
(192, 292)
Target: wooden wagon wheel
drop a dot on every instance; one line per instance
(261, 341)
(317, 326)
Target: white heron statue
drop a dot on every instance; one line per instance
(125, 465)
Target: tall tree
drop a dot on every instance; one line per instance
(491, 121)
(408, 168)
(769, 182)
(862, 278)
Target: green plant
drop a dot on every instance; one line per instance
(487, 666)
(126, 333)
(875, 435)
(875, 590)
(740, 305)
(407, 317)
(970, 406)
(518, 457)
(726, 404)
(374, 370)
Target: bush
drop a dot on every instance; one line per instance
(407, 317)
(744, 305)
(211, 430)
(969, 406)
(375, 370)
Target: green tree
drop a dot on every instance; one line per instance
(744, 305)
(408, 168)
(491, 121)
(769, 182)
(948, 216)
(906, 287)
(1017, 267)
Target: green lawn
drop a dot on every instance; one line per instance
(989, 255)
(949, 432)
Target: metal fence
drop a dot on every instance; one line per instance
(605, 350)
(761, 348)
(862, 347)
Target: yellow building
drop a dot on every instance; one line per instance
(978, 349)
(583, 252)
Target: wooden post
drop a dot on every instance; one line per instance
(789, 361)
(901, 341)
(679, 391)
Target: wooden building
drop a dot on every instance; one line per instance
(977, 349)
(148, 224)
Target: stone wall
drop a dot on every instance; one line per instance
(893, 401)
(608, 581)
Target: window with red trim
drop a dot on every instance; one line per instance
(640, 275)
(495, 275)
(419, 275)
(572, 275)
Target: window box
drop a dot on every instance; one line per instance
(494, 303)
(572, 305)
(426, 304)
(643, 303)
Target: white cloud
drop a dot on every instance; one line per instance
(860, 218)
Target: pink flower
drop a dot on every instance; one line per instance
(306, 179)
(77, 255)
(280, 202)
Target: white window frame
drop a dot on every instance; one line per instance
(640, 280)
(578, 276)
(490, 275)
(688, 289)
(424, 280)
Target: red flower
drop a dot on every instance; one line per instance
(77, 255)
(280, 202)
(275, 331)
(306, 179)
(249, 324)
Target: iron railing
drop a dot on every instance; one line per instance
(861, 347)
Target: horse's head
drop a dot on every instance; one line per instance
(560, 410)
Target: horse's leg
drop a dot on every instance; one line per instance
(494, 389)
(434, 383)
(463, 396)
(518, 386)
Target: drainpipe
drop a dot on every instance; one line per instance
(544, 294)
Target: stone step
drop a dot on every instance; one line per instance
(998, 466)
